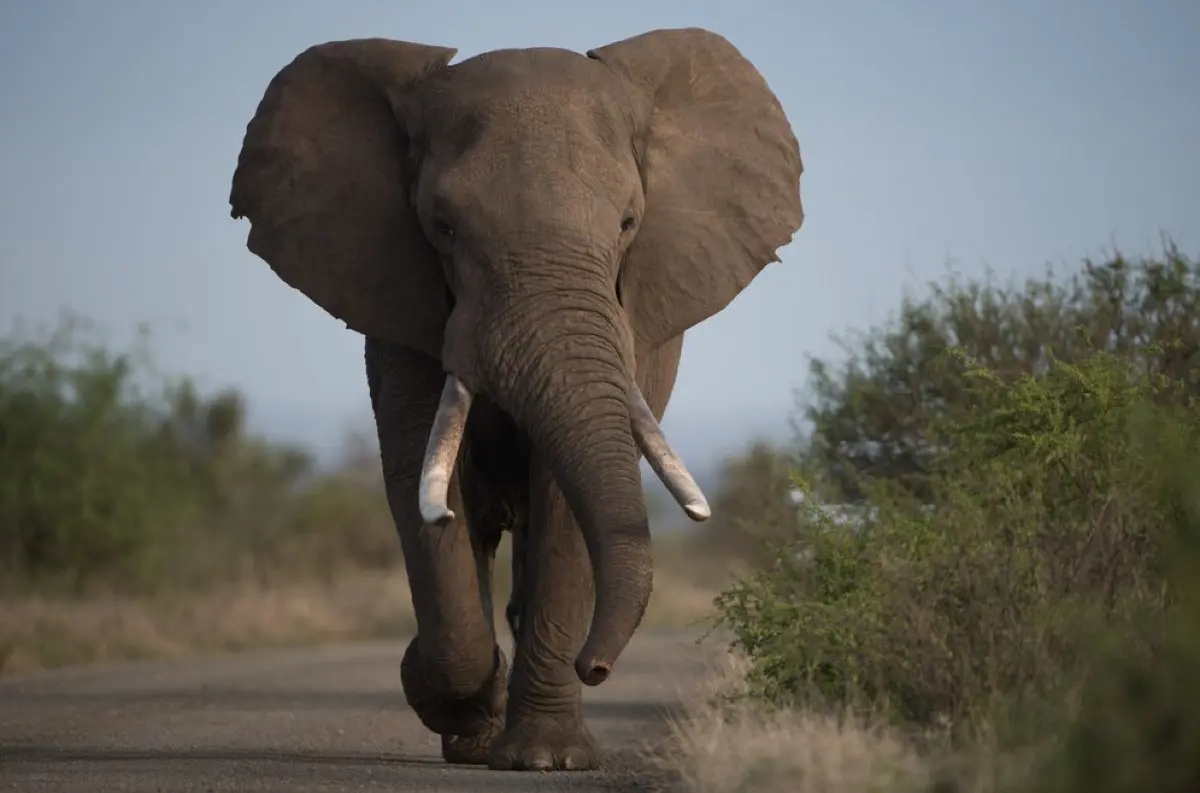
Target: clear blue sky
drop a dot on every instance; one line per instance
(1005, 134)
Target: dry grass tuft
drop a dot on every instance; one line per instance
(727, 744)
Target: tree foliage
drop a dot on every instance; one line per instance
(870, 415)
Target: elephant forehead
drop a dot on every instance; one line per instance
(547, 69)
(541, 94)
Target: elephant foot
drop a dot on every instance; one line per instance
(471, 749)
(469, 726)
(545, 744)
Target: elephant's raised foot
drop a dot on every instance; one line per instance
(545, 744)
(469, 726)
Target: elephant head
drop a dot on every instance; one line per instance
(536, 220)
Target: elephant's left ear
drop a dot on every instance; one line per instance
(721, 170)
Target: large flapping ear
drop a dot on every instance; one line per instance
(721, 170)
(324, 175)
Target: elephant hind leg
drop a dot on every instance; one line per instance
(514, 612)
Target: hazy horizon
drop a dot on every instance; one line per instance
(1008, 135)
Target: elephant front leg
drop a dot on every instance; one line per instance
(544, 726)
(455, 675)
(453, 672)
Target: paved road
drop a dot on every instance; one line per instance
(320, 719)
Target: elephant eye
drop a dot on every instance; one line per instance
(628, 223)
(443, 228)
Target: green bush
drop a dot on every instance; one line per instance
(1047, 528)
(115, 476)
(1134, 724)
(871, 414)
(1022, 573)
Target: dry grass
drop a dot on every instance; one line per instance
(726, 744)
(38, 632)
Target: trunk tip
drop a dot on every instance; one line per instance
(592, 672)
(698, 511)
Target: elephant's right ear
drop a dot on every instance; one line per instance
(324, 175)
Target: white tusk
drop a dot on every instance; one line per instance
(664, 461)
(442, 451)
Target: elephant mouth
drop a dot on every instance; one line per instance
(451, 419)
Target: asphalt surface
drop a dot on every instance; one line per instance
(323, 719)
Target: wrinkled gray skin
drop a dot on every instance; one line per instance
(543, 226)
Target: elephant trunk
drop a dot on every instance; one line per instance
(559, 368)
(566, 383)
(563, 378)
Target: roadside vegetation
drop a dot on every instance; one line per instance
(1014, 606)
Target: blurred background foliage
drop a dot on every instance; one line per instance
(117, 477)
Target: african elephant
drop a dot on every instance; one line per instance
(523, 238)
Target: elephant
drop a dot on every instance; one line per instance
(522, 238)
